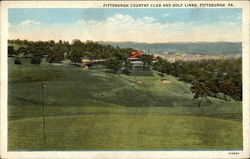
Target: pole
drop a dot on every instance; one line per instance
(44, 137)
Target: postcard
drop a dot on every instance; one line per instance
(125, 79)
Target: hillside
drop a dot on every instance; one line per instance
(71, 86)
(98, 109)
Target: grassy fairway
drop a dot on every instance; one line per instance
(94, 110)
(125, 132)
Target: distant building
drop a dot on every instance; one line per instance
(134, 58)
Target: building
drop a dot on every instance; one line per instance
(136, 61)
(134, 58)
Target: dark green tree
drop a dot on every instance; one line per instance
(77, 52)
(127, 67)
(20, 50)
(36, 59)
(11, 50)
(114, 65)
(213, 86)
(56, 54)
(160, 66)
(200, 91)
(146, 59)
(163, 66)
(228, 88)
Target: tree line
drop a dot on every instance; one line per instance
(55, 52)
(207, 77)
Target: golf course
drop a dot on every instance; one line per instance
(95, 110)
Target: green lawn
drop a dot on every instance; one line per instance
(94, 110)
(151, 131)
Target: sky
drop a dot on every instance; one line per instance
(148, 25)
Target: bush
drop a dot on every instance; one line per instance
(17, 62)
(127, 67)
(114, 65)
(36, 60)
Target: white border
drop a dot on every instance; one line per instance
(118, 154)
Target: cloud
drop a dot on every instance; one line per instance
(166, 14)
(121, 27)
(147, 19)
(120, 18)
(30, 22)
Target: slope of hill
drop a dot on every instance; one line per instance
(91, 109)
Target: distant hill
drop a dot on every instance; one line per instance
(206, 48)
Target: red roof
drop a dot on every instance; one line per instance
(135, 54)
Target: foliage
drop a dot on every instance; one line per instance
(213, 86)
(114, 65)
(127, 67)
(200, 91)
(20, 50)
(146, 59)
(219, 76)
(11, 50)
(36, 60)
(17, 61)
(163, 66)
(228, 88)
(57, 53)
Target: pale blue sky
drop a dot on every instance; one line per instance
(66, 15)
(126, 24)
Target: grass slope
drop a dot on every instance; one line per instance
(97, 110)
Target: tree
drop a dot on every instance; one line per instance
(213, 86)
(75, 57)
(177, 68)
(17, 53)
(146, 59)
(37, 50)
(36, 59)
(56, 54)
(114, 65)
(21, 50)
(76, 53)
(160, 66)
(127, 67)
(125, 53)
(228, 88)
(11, 50)
(163, 66)
(200, 91)
(51, 43)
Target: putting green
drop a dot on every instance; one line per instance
(151, 131)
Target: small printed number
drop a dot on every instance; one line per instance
(233, 153)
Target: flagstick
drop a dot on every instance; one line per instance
(44, 137)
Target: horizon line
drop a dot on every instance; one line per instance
(98, 41)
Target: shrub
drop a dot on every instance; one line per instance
(36, 60)
(17, 62)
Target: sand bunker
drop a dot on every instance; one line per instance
(165, 82)
(135, 81)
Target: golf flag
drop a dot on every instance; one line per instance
(44, 85)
